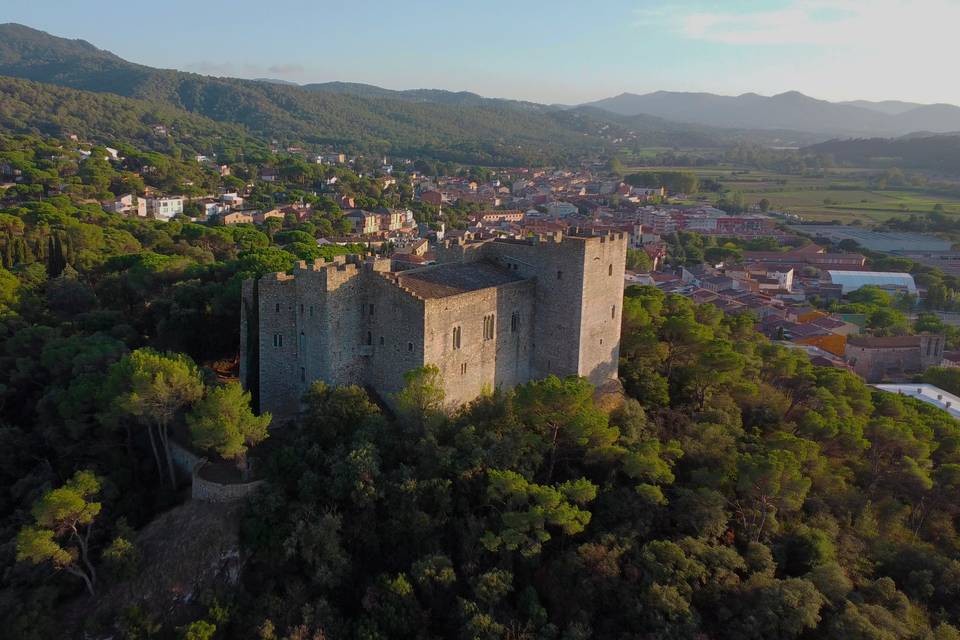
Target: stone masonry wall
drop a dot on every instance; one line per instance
(279, 386)
(599, 346)
(209, 491)
(393, 325)
(481, 364)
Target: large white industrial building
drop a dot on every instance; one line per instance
(853, 280)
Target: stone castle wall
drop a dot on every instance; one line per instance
(601, 302)
(481, 363)
(347, 322)
(579, 291)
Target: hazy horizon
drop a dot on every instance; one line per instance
(837, 50)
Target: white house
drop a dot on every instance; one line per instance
(164, 208)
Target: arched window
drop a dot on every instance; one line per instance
(456, 337)
(610, 270)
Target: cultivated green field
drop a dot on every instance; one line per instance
(840, 194)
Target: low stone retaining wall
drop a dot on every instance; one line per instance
(184, 460)
(189, 464)
(209, 491)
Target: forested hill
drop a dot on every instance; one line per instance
(735, 492)
(444, 125)
(930, 152)
(34, 107)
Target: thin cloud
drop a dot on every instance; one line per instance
(208, 67)
(864, 23)
(283, 69)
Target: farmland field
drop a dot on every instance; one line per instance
(844, 195)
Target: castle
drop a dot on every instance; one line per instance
(491, 313)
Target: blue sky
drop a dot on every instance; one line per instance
(555, 51)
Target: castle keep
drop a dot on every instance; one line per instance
(493, 313)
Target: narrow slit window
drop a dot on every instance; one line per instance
(456, 337)
(488, 327)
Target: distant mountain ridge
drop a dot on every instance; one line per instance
(791, 110)
(455, 125)
(484, 131)
(458, 126)
(890, 107)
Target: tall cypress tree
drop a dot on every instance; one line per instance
(20, 252)
(55, 259)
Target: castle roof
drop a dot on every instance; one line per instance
(884, 342)
(452, 279)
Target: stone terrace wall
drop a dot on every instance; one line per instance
(210, 491)
(188, 464)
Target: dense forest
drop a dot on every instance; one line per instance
(30, 107)
(936, 153)
(733, 491)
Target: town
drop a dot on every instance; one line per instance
(788, 285)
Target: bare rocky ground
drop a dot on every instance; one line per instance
(189, 553)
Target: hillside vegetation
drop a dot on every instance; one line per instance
(736, 492)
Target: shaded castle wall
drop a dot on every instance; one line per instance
(601, 303)
(395, 328)
(279, 382)
(579, 291)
